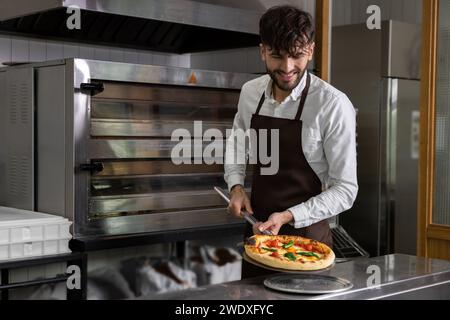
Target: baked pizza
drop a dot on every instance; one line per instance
(289, 252)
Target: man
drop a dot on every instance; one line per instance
(316, 178)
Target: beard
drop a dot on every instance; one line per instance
(285, 85)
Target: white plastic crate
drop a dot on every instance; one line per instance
(33, 248)
(22, 226)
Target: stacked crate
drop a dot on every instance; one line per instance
(29, 234)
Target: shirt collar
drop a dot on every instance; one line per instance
(296, 92)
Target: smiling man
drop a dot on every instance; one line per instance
(316, 179)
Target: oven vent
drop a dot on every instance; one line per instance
(18, 173)
(19, 140)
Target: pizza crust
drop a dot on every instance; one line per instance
(254, 251)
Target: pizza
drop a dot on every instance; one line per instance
(289, 252)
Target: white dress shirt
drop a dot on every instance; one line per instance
(328, 143)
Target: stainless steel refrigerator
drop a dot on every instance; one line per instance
(379, 71)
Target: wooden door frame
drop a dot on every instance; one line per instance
(427, 231)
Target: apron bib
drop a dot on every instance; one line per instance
(294, 183)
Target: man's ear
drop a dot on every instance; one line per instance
(311, 51)
(262, 51)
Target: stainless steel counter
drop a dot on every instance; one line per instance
(401, 277)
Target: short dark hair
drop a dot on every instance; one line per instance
(286, 28)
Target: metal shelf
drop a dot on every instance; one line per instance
(76, 258)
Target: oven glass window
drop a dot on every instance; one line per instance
(131, 126)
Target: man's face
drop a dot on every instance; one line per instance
(285, 70)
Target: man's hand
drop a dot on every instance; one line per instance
(274, 223)
(239, 201)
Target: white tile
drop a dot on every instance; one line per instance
(130, 56)
(55, 50)
(71, 51)
(145, 57)
(20, 50)
(212, 61)
(87, 52)
(159, 59)
(37, 50)
(116, 55)
(197, 60)
(172, 60)
(101, 53)
(224, 61)
(5, 49)
(184, 61)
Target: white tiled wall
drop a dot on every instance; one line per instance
(22, 49)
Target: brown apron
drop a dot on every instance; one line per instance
(295, 182)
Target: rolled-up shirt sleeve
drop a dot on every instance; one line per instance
(341, 187)
(236, 149)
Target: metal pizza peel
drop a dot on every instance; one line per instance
(247, 216)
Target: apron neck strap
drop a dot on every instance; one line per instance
(302, 100)
(261, 102)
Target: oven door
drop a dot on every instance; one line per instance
(128, 179)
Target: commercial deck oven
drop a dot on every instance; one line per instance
(92, 141)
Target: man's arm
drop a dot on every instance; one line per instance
(235, 163)
(234, 169)
(340, 151)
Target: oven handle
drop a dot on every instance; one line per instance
(92, 88)
(93, 167)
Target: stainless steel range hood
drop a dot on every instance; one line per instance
(178, 26)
